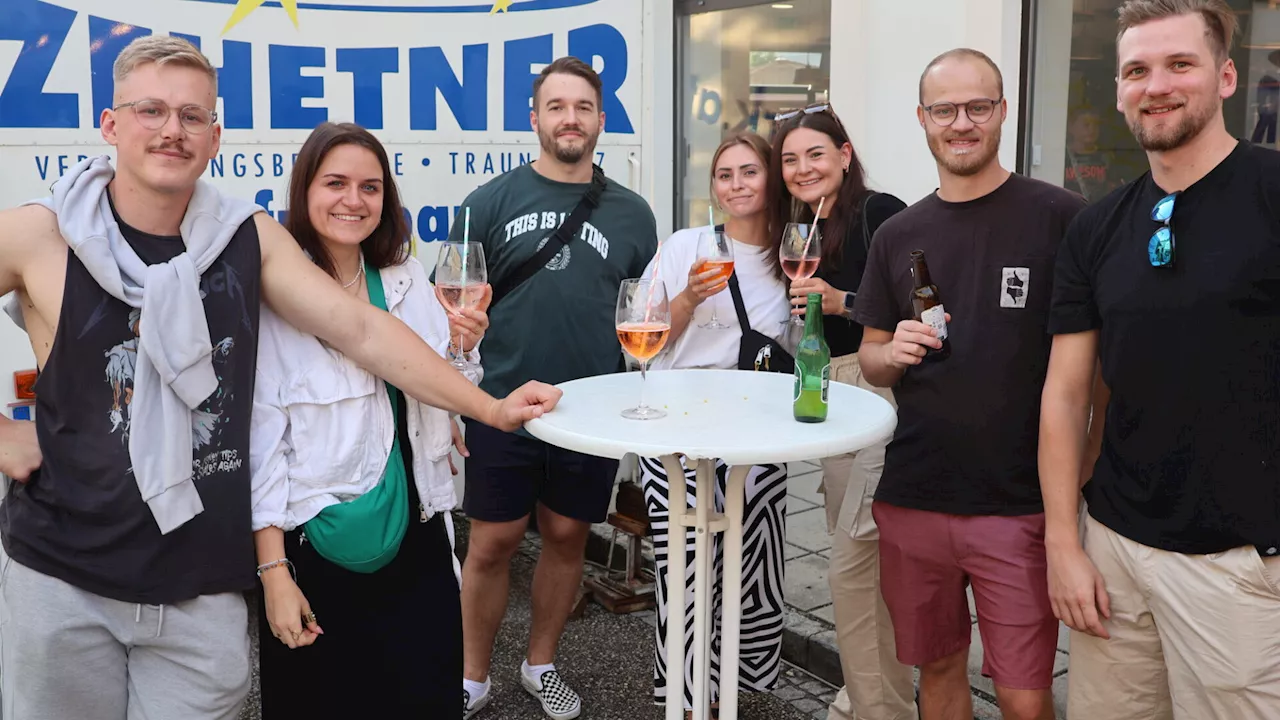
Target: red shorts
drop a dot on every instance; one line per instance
(926, 561)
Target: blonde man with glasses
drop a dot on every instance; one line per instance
(1171, 584)
(126, 532)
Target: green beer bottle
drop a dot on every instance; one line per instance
(813, 366)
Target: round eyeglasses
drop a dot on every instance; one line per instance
(978, 111)
(153, 114)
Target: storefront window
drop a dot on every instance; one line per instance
(1078, 138)
(740, 66)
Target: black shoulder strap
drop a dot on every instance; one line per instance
(739, 306)
(563, 235)
(866, 229)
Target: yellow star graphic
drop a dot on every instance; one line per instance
(244, 7)
(501, 6)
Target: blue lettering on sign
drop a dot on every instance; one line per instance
(367, 66)
(517, 79)
(429, 71)
(42, 29)
(602, 41)
(107, 39)
(289, 87)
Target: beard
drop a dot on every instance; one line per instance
(971, 163)
(1164, 139)
(569, 154)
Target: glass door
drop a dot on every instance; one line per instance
(739, 64)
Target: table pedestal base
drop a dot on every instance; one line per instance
(704, 522)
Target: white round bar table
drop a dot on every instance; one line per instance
(742, 418)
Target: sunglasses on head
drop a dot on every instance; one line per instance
(785, 115)
(1161, 246)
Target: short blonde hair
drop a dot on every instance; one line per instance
(162, 50)
(1219, 19)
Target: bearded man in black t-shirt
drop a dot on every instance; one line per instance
(1172, 584)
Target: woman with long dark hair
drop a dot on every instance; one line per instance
(815, 168)
(352, 480)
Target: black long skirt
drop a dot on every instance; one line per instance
(392, 643)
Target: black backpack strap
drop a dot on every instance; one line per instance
(562, 236)
(739, 306)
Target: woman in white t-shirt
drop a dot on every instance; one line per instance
(738, 178)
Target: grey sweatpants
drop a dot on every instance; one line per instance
(66, 653)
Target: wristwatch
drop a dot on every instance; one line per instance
(849, 297)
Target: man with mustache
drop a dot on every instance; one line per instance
(556, 325)
(959, 501)
(1172, 582)
(127, 545)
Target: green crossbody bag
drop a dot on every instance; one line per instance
(364, 534)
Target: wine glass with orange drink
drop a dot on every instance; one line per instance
(715, 253)
(643, 321)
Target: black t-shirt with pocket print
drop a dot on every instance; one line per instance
(968, 427)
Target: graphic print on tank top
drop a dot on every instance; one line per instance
(205, 420)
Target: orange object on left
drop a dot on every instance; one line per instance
(24, 384)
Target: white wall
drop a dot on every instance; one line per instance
(15, 355)
(879, 49)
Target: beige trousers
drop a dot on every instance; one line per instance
(877, 686)
(1193, 637)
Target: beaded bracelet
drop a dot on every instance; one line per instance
(276, 563)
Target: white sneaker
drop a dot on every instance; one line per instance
(470, 705)
(558, 700)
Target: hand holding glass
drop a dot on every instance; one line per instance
(799, 255)
(715, 253)
(643, 321)
(461, 275)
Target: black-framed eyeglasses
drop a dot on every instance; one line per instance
(1161, 246)
(789, 113)
(978, 110)
(153, 114)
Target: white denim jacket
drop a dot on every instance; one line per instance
(322, 426)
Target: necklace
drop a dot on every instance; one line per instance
(356, 279)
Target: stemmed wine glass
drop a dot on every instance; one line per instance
(643, 321)
(461, 275)
(799, 255)
(715, 252)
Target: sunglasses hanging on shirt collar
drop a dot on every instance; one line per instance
(1161, 246)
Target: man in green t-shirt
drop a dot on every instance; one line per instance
(557, 325)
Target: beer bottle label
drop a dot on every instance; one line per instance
(826, 383)
(799, 373)
(936, 318)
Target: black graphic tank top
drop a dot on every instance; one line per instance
(81, 518)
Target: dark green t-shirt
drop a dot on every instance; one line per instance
(559, 324)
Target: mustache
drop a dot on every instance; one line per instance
(962, 136)
(173, 147)
(571, 128)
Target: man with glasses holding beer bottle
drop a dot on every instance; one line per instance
(959, 501)
(1172, 582)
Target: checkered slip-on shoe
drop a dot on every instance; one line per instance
(470, 708)
(559, 702)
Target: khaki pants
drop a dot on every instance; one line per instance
(877, 686)
(1193, 637)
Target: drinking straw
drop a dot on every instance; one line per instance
(711, 217)
(812, 230)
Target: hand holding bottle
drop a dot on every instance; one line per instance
(911, 342)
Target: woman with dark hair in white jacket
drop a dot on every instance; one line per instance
(330, 439)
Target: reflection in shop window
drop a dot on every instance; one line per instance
(1081, 141)
(741, 67)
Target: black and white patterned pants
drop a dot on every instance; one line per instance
(764, 529)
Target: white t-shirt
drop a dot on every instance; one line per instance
(763, 294)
